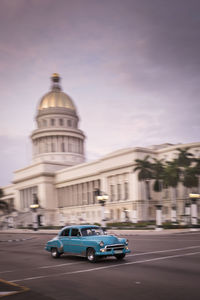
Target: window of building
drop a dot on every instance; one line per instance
(52, 122)
(61, 122)
(44, 123)
(69, 123)
(112, 195)
(52, 147)
(70, 145)
(119, 194)
(126, 194)
(27, 196)
(63, 147)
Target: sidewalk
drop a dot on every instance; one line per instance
(110, 231)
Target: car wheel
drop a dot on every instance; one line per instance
(120, 256)
(91, 257)
(55, 253)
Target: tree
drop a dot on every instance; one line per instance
(157, 174)
(171, 178)
(197, 171)
(1, 193)
(190, 179)
(3, 204)
(184, 160)
(144, 168)
(184, 157)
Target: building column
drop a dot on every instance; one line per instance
(194, 212)
(158, 217)
(173, 214)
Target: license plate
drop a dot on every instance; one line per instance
(118, 251)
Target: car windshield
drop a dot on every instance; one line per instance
(92, 231)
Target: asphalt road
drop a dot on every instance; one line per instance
(159, 267)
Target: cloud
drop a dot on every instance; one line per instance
(15, 153)
(132, 68)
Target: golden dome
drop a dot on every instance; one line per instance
(56, 98)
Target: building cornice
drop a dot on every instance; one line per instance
(57, 131)
(37, 175)
(40, 163)
(97, 173)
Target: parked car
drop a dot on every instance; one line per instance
(89, 241)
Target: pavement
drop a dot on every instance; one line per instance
(117, 232)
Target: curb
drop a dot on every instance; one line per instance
(16, 240)
(110, 231)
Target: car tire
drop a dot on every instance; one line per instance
(55, 253)
(91, 257)
(120, 256)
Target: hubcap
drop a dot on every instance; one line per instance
(54, 252)
(90, 255)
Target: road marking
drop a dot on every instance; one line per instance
(106, 267)
(2, 272)
(60, 265)
(161, 251)
(21, 289)
(137, 254)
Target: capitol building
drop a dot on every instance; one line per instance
(65, 186)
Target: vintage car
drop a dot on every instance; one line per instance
(87, 240)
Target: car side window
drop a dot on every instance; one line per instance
(75, 232)
(65, 232)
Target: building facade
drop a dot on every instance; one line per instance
(66, 186)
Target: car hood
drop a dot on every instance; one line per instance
(107, 239)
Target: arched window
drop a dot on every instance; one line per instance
(44, 123)
(69, 123)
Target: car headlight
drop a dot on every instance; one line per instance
(101, 244)
(126, 242)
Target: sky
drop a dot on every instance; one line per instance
(132, 68)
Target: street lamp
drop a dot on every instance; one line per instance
(102, 200)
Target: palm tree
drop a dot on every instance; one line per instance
(184, 160)
(144, 168)
(190, 179)
(3, 204)
(171, 180)
(197, 171)
(158, 172)
(184, 157)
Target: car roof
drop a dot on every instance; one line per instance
(80, 226)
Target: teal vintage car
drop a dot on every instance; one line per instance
(89, 241)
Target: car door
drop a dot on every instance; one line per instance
(76, 245)
(65, 239)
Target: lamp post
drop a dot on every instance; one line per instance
(102, 200)
(34, 207)
(194, 198)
